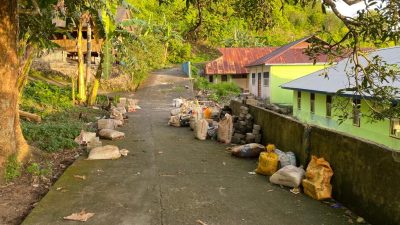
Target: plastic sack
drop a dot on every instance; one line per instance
(225, 129)
(247, 151)
(108, 124)
(85, 137)
(290, 176)
(207, 113)
(175, 112)
(267, 163)
(175, 121)
(177, 102)
(318, 177)
(105, 152)
(111, 134)
(201, 129)
(116, 114)
(286, 158)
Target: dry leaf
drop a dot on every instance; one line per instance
(80, 177)
(82, 216)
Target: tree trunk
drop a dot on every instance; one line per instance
(11, 138)
(88, 53)
(166, 53)
(81, 77)
(96, 83)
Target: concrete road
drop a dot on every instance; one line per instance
(170, 178)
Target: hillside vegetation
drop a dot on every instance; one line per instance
(229, 23)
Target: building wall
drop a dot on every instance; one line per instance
(365, 174)
(241, 82)
(378, 132)
(217, 78)
(265, 91)
(281, 74)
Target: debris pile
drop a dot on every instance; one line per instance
(245, 131)
(106, 129)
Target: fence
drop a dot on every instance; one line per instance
(366, 175)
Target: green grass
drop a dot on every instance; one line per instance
(12, 169)
(61, 120)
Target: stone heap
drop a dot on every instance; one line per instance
(245, 131)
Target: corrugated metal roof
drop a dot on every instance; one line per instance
(292, 53)
(336, 76)
(234, 60)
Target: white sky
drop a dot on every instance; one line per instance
(349, 10)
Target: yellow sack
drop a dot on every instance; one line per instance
(267, 163)
(318, 177)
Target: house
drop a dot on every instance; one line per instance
(315, 97)
(284, 64)
(68, 47)
(231, 65)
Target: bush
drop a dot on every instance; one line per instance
(43, 98)
(224, 91)
(219, 92)
(52, 136)
(179, 51)
(12, 168)
(202, 83)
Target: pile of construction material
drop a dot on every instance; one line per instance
(245, 131)
(106, 129)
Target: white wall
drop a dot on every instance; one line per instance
(265, 91)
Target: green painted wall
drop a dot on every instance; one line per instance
(378, 132)
(281, 74)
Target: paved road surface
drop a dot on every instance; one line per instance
(170, 178)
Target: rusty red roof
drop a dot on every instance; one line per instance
(292, 53)
(234, 60)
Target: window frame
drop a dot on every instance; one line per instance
(328, 103)
(312, 103)
(266, 78)
(357, 110)
(224, 76)
(299, 100)
(391, 128)
(253, 79)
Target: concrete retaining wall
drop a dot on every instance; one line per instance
(366, 176)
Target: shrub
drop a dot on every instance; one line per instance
(35, 169)
(201, 83)
(52, 136)
(179, 51)
(12, 168)
(43, 98)
(224, 91)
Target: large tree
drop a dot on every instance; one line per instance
(11, 138)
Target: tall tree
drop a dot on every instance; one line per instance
(11, 138)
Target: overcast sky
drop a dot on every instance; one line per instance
(349, 10)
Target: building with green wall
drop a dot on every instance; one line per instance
(286, 63)
(316, 101)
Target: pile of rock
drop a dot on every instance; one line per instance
(245, 131)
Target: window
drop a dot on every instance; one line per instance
(253, 79)
(299, 100)
(328, 105)
(356, 112)
(266, 79)
(211, 79)
(312, 103)
(395, 128)
(224, 78)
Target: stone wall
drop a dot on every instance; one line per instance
(366, 175)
